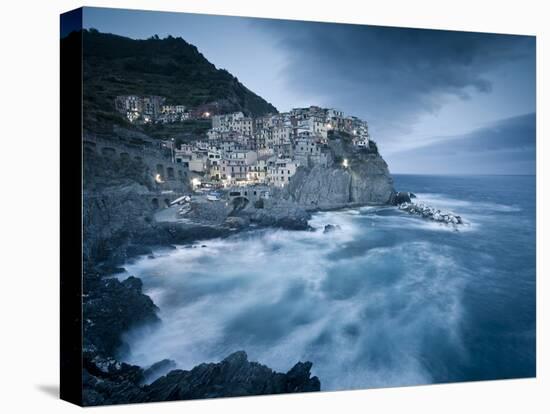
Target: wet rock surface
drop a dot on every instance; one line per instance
(107, 381)
(401, 197)
(234, 376)
(331, 228)
(158, 369)
(431, 213)
(278, 213)
(111, 307)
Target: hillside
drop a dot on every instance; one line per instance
(170, 67)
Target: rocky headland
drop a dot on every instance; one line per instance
(354, 177)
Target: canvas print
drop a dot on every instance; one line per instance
(276, 206)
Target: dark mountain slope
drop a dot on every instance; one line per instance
(170, 67)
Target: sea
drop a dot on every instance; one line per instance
(388, 299)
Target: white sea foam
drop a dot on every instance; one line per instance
(364, 320)
(442, 201)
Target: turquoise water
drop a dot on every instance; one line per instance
(389, 300)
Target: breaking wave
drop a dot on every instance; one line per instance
(362, 313)
(387, 299)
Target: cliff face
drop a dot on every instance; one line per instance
(112, 218)
(366, 179)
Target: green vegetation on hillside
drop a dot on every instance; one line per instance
(180, 130)
(170, 67)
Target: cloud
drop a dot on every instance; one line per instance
(504, 147)
(392, 75)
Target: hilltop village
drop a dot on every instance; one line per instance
(243, 151)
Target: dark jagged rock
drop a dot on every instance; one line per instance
(279, 213)
(235, 222)
(158, 369)
(330, 228)
(234, 376)
(107, 381)
(110, 308)
(401, 197)
(298, 379)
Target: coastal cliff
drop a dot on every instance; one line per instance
(354, 176)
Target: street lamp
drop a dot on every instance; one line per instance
(195, 183)
(172, 148)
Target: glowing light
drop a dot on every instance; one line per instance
(345, 163)
(159, 179)
(195, 182)
(206, 114)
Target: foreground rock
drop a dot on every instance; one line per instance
(401, 197)
(234, 376)
(158, 369)
(431, 213)
(330, 228)
(278, 213)
(107, 381)
(110, 308)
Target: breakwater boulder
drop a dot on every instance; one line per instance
(431, 213)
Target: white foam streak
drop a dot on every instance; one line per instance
(363, 319)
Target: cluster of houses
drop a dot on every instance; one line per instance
(239, 151)
(267, 150)
(153, 109)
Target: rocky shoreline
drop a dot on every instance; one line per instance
(121, 227)
(112, 307)
(120, 224)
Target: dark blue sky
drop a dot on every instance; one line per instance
(422, 91)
